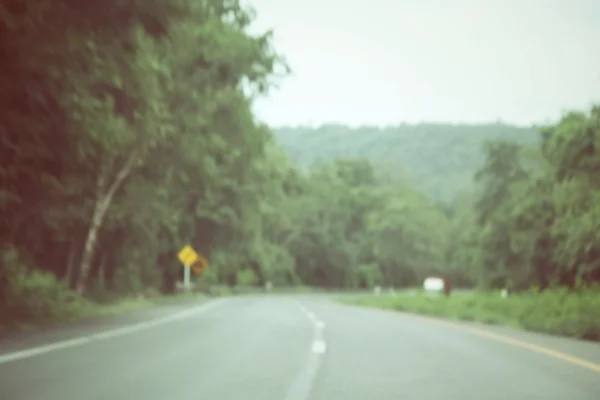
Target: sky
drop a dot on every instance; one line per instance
(385, 62)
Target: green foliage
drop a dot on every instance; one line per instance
(128, 132)
(246, 277)
(30, 294)
(554, 311)
(439, 158)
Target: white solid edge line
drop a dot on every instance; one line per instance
(64, 344)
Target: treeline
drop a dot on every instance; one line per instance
(440, 158)
(536, 216)
(531, 219)
(127, 132)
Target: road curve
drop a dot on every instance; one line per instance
(292, 348)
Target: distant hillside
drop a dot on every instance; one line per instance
(440, 158)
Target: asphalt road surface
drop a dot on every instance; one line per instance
(293, 347)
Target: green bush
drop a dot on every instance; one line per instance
(33, 295)
(558, 311)
(555, 311)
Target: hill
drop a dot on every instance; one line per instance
(440, 158)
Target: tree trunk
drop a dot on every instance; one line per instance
(90, 244)
(103, 202)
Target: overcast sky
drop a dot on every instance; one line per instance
(389, 61)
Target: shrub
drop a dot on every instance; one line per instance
(33, 295)
(555, 311)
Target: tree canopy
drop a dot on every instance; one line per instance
(440, 158)
(127, 132)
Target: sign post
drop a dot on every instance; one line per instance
(191, 261)
(186, 278)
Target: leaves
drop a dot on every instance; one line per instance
(141, 111)
(145, 107)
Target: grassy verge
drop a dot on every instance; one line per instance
(75, 309)
(223, 290)
(47, 305)
(125, 305)
(555, 311)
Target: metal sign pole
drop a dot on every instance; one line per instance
(186, 277)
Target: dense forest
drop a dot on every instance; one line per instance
(127, 132)
(441, 159)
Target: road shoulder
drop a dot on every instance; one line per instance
(557, 346)
(82, 327)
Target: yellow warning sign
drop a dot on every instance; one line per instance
(192, 260)
(188, 256)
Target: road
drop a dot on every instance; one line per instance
(293, 347)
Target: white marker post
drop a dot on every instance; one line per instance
(186, 278)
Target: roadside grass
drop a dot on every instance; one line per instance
(555, 311)
(129, 304)
(32, 299)
(224, 290)
(71, 308)
(42, 303)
